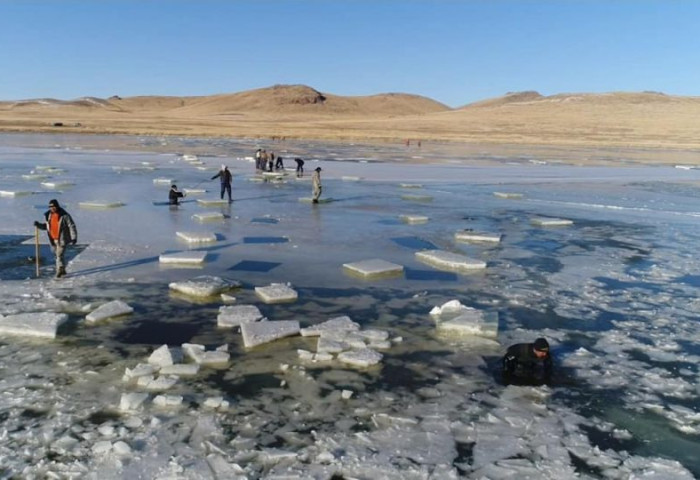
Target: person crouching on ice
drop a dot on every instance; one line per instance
(523, 359)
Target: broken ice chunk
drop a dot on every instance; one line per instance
(373, 268)
(208, 216)
(477, 237)
(550, 222)
(472, 322)
(183, 257)
(100, 204)
(180, 369)
(449, 261)
(276, 293)
(168, 400)
(361, 358)
(204, 286)
(115, 308)
(161, 357)
(37, 324)
(337, 324)
(414, 219)
(131, 401)
(196, 237)
(236, 315)
(263, 332)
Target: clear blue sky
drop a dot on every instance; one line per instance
(454, 51)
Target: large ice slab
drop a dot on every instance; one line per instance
(182, 258)
(204, 286)
(507, 195)
(417, 198)
(337, 324)
(99, 204)
(211, 202)
(115, 308)
(14, 193)
(375, 267)
(471, 322)
(550, 222)
(257, 333)
(414, 219)
(236, 315)
(54, 185)
(163, 181)
(35, 324)
(449, 261)
(201, 356)
(276, 293)
(197, 237)
(476, 236)
(361, 358)
(208, 217)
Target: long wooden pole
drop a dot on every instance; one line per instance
(36, 250)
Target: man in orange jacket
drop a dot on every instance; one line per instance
(62, 232)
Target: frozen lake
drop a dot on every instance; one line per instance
(615, 292)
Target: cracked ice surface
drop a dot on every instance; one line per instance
(615, 292)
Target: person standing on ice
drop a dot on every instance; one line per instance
(316, 187)
(522, 359)
(225, 177)
(62, 232)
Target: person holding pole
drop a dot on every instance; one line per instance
(61, 231)
(316, 187)
(225, 178)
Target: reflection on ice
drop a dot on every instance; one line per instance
(341, 377)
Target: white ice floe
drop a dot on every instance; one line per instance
(276, 293)
(337, 324)
(257, 333)
(414, 219)
(417, 198)
(34, 324)
(197, 237)
(163, 181)
(204, 286)
(132, 401)
(200, 355)
(449, 261)
(208, 217)
(450, 307)
(168, 401)
(410, 185)
(360, 358)
(180, 369)
(476, 236)
(14, 193)
(161, 357)
(212, 202)
(236, 315)
(507, 195)
(471, 322)
(194, 191)
(550, 222)
(350, 178)
(112, 309)
(100, 204)
(373, 268)
(54, 185)
(186, 258)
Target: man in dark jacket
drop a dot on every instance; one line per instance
(62, 232)
(174, 195)
(522, 359)
(225, 177)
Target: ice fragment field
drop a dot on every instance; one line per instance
(271, 362)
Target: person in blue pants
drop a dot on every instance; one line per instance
(225, 178)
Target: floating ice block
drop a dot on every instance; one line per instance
(337, 324)
(410, 185)
(33, 176)
(257, 333)
(111, 309)
(472, 322)
(236, 315)
(507, 195)
(204, 286)
(276, 293)
(13, 193)
(550, 222)
(413, 219)
(350, 178)
(198, 354)
(208, 217)
(38, 324)
(57, 184)
(449, 260)
(193, 191)
(183, 257)
(478, 237)
(180, 369)
(417, 198)
(373, 268)
(211, 203)
(161, 357)
(100, 204)
(197, 237)
(131, 401)
(361, 358)
(163, 181)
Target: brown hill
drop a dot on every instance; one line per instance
(645, 119)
